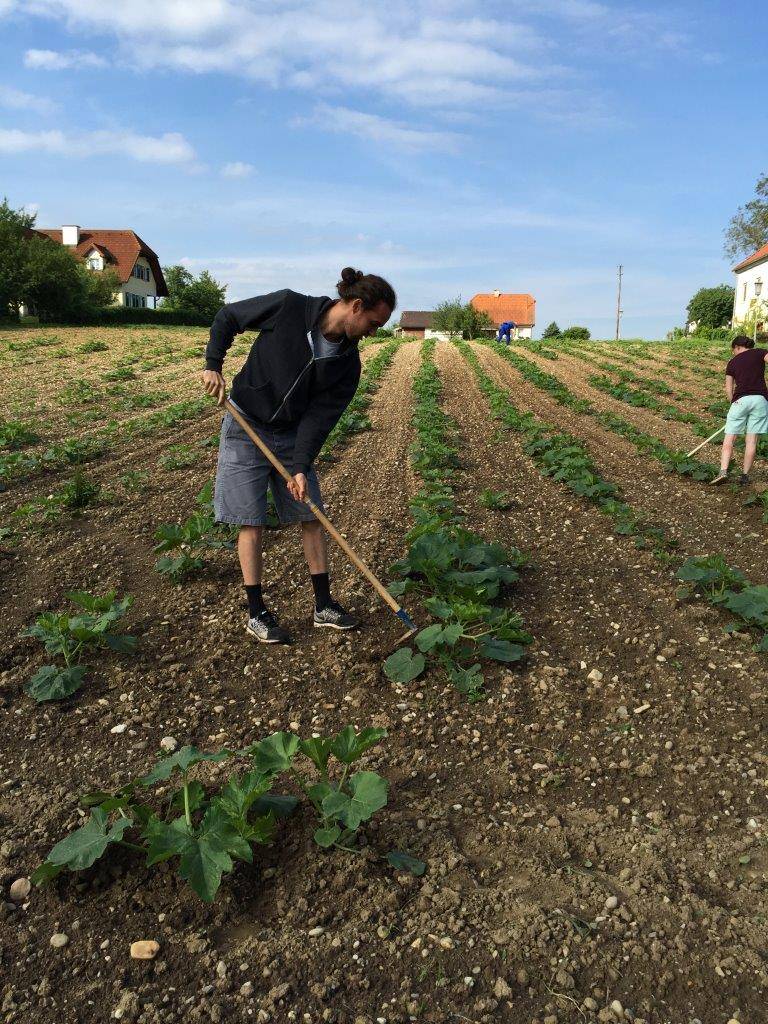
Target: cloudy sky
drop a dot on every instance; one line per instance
(453, 147)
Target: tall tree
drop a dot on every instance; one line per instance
(748, 228)
(474, 321)
(551, 331)
(711, 307)
(178, 279)
(203, 297)
(449, 316)
(14, 228)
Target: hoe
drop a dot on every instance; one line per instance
(377, 585)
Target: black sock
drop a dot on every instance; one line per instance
(322, 589)
(255, 601)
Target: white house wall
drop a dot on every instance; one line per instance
(136, 286)
(741, 305)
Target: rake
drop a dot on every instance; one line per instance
(351, 554)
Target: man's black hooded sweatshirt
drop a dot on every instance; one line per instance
(281, 383)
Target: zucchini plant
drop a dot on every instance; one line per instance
(188, 541)
(68, 636)
(204, 829)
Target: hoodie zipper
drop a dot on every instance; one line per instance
(290, 390)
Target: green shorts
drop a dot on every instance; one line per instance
(748, 415)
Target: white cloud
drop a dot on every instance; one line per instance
(379, 130)
(237, 169)
(15, 99)
(54, 60)
(170, 148)
(426, 54)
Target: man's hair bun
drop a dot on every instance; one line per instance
(351, 276)
(369, 288)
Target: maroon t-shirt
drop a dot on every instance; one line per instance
(748, 371)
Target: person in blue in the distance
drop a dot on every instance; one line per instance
(505, 331)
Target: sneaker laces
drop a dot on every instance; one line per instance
(268, 619)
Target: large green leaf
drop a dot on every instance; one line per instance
(404, 665)
(751, 604)
(275, 753)
(367, 793)
(54, 683)
(86, 844)
(317, 750)
(121, 644)
(240, 793)
(182, 760)
(500, 650)
(326, 837)
(348, 745)
(398, 859)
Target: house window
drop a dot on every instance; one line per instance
(744, 295)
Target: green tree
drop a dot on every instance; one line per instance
(474, 321)
(55, 284)
(14, 229)
(178, 279)
(712, 307)
(748, 228)
(202, 296)
(551, 331)
(576, 334)
(449, 317)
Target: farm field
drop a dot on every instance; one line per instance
(587, 822)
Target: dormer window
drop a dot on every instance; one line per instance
(94, 261)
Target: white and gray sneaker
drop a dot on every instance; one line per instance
(333, 616)
(267, 629)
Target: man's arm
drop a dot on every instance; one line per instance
(319, 419)
(729, 382)
(249, 314)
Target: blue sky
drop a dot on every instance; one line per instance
(452, 147)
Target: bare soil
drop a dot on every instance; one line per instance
(587, 839)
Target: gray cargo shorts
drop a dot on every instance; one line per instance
(243, 475)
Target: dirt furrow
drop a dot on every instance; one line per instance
(620, 745)
(699, 518)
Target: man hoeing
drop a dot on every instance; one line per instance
(300, 375)
(746, 390)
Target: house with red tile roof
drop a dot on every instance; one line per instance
(752, 288)
(502, 307)
(122, 251)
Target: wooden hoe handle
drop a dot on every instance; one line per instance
(318, 513)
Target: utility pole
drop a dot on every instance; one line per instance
(618, 305)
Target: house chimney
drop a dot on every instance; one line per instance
(70, 234)
(497, 293)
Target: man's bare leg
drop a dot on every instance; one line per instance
(750, 447)
(315, 546)
(249, 542)
(727, 452)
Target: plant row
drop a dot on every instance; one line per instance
(461, 579)
(564, 458)
(671, 459)
(728, 588)
(20, 465)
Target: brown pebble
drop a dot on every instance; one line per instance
(144, 949)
